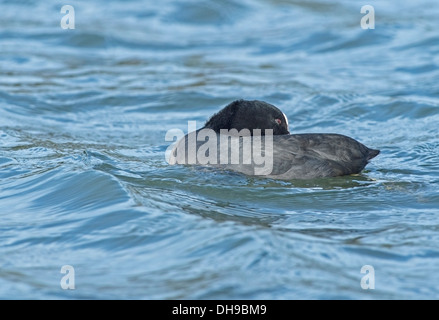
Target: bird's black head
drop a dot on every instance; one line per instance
(244, 114)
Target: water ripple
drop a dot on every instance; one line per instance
(84, 182)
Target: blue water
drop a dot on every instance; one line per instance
(84, 182)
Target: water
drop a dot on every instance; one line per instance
(83, 180)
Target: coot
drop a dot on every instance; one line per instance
(252, 137)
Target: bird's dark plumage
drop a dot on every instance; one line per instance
(293, 156)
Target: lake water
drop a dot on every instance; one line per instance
(84, 181)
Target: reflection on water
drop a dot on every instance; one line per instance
(84, 182)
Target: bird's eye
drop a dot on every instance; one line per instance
(278, 121)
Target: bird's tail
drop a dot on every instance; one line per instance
(372, 154)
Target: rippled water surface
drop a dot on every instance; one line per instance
(84, 182)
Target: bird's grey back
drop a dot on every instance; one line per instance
(297, 156)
